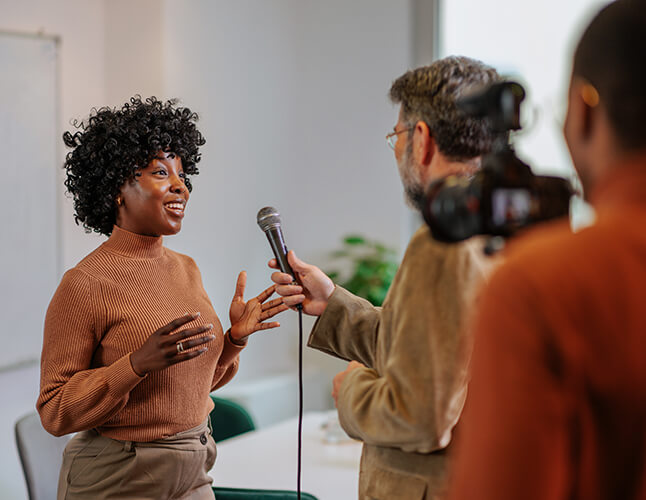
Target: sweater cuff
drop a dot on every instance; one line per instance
(122, 377)
(230, 350)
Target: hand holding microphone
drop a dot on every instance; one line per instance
(298, 282)
(314, 290)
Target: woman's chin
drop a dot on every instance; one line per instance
(172, 229)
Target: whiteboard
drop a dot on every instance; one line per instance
(29, 138)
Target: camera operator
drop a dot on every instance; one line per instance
(557, 402)
(404, 389)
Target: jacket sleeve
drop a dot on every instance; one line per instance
(414, 399)
(73, 396)
(348, 328)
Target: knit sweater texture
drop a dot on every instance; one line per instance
(557, 400)
(103, 310)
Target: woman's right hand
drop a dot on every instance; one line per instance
(313, 289)
(164, 348)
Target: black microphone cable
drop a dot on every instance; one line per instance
(300, 401)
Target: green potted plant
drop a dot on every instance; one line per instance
(371, 267)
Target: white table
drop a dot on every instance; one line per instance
(266, 459)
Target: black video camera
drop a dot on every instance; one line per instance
(504, 196)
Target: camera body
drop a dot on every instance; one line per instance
(505, 195)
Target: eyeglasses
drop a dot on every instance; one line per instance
(391, 138)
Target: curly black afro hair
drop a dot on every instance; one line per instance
(112, 144)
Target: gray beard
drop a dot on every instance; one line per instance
(413, 190)
(414, 196)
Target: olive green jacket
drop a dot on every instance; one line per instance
(406, 402)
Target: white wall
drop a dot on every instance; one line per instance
(80, 26)
(109, 51)
(532, 42)
(293, 99)
(133, 49)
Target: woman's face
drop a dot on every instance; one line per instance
(153, 202)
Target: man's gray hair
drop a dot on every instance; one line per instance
(429, 94)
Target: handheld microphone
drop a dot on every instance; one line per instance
(269, 221)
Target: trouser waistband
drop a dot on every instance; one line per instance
(183, 437)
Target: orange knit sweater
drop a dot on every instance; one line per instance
(103, 310)
(557, 399)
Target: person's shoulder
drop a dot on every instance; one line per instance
(553, 242)
(182, 263)
(87, 267)
(78, 290)
(77, 282)
(421, 236)
(548, 252)
(184, 259)
(95, 259)
(422, 250)
(423, 245)
(422, 241)
(429, 263)
(538, 238)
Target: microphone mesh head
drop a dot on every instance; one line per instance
(268, 217)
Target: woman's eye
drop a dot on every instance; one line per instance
(160, 172)
(182, 176)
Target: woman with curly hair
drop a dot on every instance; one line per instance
(132, 345)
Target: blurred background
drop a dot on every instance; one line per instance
(292, 98)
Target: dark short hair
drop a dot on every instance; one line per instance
(611, 55)
(429, 94)
(112, 143)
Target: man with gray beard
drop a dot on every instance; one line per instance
(404, 389)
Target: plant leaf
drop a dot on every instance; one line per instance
(354, 240)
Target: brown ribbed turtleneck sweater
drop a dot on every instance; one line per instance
(103, 310)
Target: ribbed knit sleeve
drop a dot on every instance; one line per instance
(228, 364)
(74, 397)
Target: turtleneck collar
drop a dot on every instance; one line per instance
(133, 245)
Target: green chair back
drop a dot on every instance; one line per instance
(229, 419)
(222, 493)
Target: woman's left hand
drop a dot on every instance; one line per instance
(247, 317)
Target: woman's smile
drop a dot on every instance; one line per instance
(176, 208)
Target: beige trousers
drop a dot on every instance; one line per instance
(96, 467)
